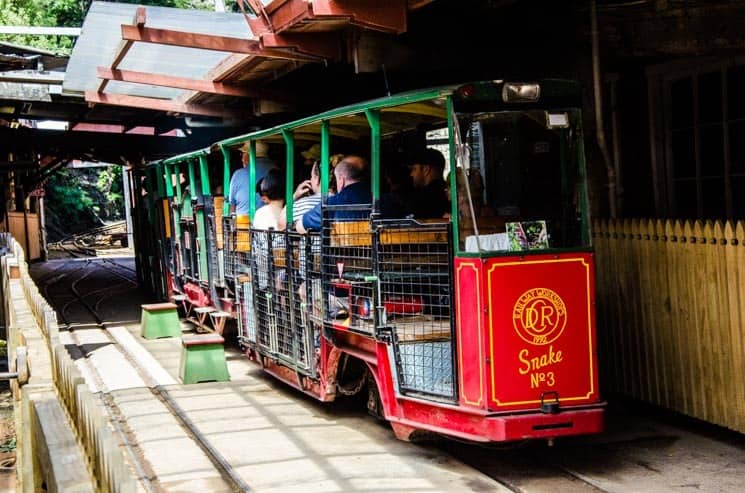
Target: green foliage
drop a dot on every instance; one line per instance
(65, 13)
(67, 193)
(32, 13)
(110, 186)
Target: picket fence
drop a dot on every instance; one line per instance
(671, 309)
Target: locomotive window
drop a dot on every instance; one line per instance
(521, 174)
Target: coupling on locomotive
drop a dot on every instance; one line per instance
(430, 249)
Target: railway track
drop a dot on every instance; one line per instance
(87, 331)
(97, 330)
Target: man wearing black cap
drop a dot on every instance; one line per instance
(430, 198)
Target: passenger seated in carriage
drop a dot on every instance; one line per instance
(352, 189)
(430, 199)
(271, 188)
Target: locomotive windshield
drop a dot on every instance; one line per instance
(520, 181)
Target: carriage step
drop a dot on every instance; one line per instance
(178, 297)
(203, 359)
(159, 320)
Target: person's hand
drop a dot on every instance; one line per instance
(305, 188)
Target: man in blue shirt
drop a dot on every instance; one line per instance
(240, 192)
(352, 189)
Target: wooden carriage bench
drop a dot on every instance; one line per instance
(203, 359)
(159, 320)
(217, 318)
(410, 257)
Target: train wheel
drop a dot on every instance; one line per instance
(374, 404)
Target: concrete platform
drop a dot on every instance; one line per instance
(279, 440)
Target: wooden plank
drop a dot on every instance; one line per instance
(697, 342)
(674, 249)
(646, 321)
(636, 345)
(736, 249)
(199, 85)
(688, 320)
(723, 357)
(661, 307)
(62, 461)
(166, 105)
(711, 328)
(34, 240)
(615, 281)
(212, 42)
(608, 299)
(350, 233)
(421, 328)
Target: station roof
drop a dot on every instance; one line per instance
(207, 74)
(101, 41)
(184, 61)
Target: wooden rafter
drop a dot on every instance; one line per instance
(324, 45)
(199, 85)
(206, 42)
(161, 105)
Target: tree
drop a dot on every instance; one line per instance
(65, 13)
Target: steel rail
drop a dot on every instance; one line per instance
(228, 473)
(226, 470)
(108, 406)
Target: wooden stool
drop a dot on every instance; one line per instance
(159, 320)
(203, 359)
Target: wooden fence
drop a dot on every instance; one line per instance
(671, 309)
(56, 403)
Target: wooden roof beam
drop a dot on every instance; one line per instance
(207, 42)
(389, 16)
(324, 45)
(199, 85)
(162, 105)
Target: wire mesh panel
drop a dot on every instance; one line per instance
(264, 303)
(414, 264)
(299, 255)
(284, 326)
(228, 247)
(189, 248)
(215, 248)
(246, 312)
(348, 276)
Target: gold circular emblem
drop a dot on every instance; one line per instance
(539, 316)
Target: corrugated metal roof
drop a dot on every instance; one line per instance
(101, 37)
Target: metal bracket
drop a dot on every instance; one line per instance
(19, 367)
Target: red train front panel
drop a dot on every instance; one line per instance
(541, 331)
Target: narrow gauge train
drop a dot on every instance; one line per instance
(478, 325)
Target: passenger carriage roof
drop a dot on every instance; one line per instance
(560, 90)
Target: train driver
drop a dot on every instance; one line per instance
(430, 199)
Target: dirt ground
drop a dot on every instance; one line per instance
(7, 442)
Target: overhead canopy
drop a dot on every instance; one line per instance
(200, 62)
(101, 43)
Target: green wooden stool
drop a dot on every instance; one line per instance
(203, 359)
(160, 320)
